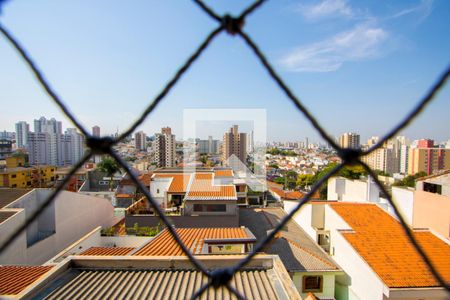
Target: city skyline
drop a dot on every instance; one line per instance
(365, 40)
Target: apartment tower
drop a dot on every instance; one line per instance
(349, 140)
(140, 141)
(165, 148)
(234, 143)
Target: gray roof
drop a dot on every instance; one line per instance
(296, 249)
(154, 284)
(5, 215)
(8, 196)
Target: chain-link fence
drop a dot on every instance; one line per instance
(233, 26)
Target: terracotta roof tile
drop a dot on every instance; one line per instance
(223, 173)
(179, 183)
(289, 195)
(108, 251)
(202, 188)
(382, 243)
(15, 279)
(165, 245)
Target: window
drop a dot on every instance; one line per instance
(312, 284)
(198, 207)
(210, 207)
(13, 176)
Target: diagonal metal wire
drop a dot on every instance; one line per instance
(41, 79)
(233, 26)
(430, 96)
(161, 214)
(286, 219)
(12, 237)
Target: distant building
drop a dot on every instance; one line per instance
(250, 142)
(49, 146)
(165, 148)
(7, 135)
(349, 140)
(22, 130)
(140, 141)
(234, 143)
(74, 145)
(208, 146)
(5, 148)
(96, 131)
(427, 158)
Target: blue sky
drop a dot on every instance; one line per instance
(358, 65)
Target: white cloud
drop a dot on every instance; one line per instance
(423, 10)
(362, 42)
(326, 8)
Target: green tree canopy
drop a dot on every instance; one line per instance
(110, 167)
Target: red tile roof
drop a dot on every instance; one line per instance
(382, 243)
(202, 188)
(289, 195)
(223, 173)
(165, 245)
(14, 279)
(108, 251)
(179, 183)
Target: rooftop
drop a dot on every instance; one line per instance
(297, 250)
(381, 242)
(7, 196)
(162, 278)
(289, 195)
(223, 173)
(14, 279)
(165, 245)
(108, 251)
(179, 182)
(203, 188)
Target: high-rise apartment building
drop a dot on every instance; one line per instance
(49, 126)
(234, 143)
(349, 140)
(140, 141)
(165, 148)
(22, 130)
(96, 131)
(38, 148)
(426, 158)
(74, 142)
(49, 146)
(250, 142)
(208, 146)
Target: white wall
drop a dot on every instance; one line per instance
(15, 254)
(328, 284)
(364, 283)
(74, 215)
(404, 198)
(302, 217)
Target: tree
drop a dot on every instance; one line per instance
(410, 180)
(275, 166)
(350, 172)
(291, 180)
(304, 180)
(110, 167)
